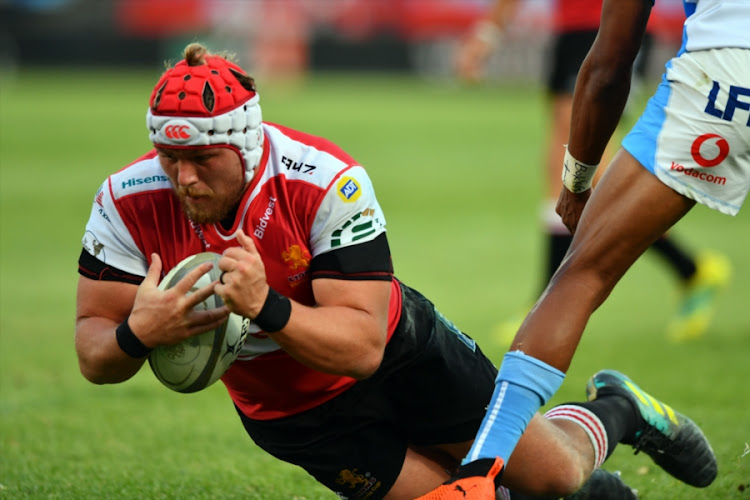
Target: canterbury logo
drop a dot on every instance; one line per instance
(176, 132)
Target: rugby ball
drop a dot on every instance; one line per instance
(197, 362)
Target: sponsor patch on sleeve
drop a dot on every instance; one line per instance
(348, 189)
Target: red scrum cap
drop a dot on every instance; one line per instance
(204, 101)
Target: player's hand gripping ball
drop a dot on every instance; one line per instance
(197, 362)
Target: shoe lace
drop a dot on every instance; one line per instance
(652, 440)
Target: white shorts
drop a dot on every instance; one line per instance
(695, 132)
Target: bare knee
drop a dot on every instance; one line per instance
(552, 459)
(558, 482)
(565, 481)
(424, 469)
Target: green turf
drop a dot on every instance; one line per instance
(457, 172)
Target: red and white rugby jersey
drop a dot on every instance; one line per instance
(308, 197)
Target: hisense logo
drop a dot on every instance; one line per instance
(138, 181)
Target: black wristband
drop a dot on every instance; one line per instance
(275, 313)
(129, 343)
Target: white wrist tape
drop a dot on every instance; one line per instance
(577, 176)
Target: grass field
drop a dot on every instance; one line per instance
(457, 171)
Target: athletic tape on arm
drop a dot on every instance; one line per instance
(577, 176)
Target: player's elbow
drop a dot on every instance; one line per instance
(87, 364)
(607, 76)
(366, 359)
(367, 365)
(94, 379)
(101, 370)
(96, 375)
(90, 373)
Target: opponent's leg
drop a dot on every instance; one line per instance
(618, 412)
(602, 485)
(673, 441)
(702, 279)
(558, 452)
(422, 470)
(552, 459)
(555, 457)
(629, 209)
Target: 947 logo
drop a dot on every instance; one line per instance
(304, 168)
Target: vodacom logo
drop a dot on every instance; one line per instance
(721, 144)
(177, 132)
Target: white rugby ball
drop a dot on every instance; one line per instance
(197, 362)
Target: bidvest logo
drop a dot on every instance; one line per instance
(260, 227)
(179, 131)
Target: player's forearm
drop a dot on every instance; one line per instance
(603, 81)
(336, 340)
(599, 99)
(100, 358)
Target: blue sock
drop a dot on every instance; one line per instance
(522, 386)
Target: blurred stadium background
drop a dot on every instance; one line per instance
(457, 172)
(277, 37)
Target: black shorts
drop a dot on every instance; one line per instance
(432, 387)
(567, 53)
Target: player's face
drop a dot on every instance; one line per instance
(208, 182)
